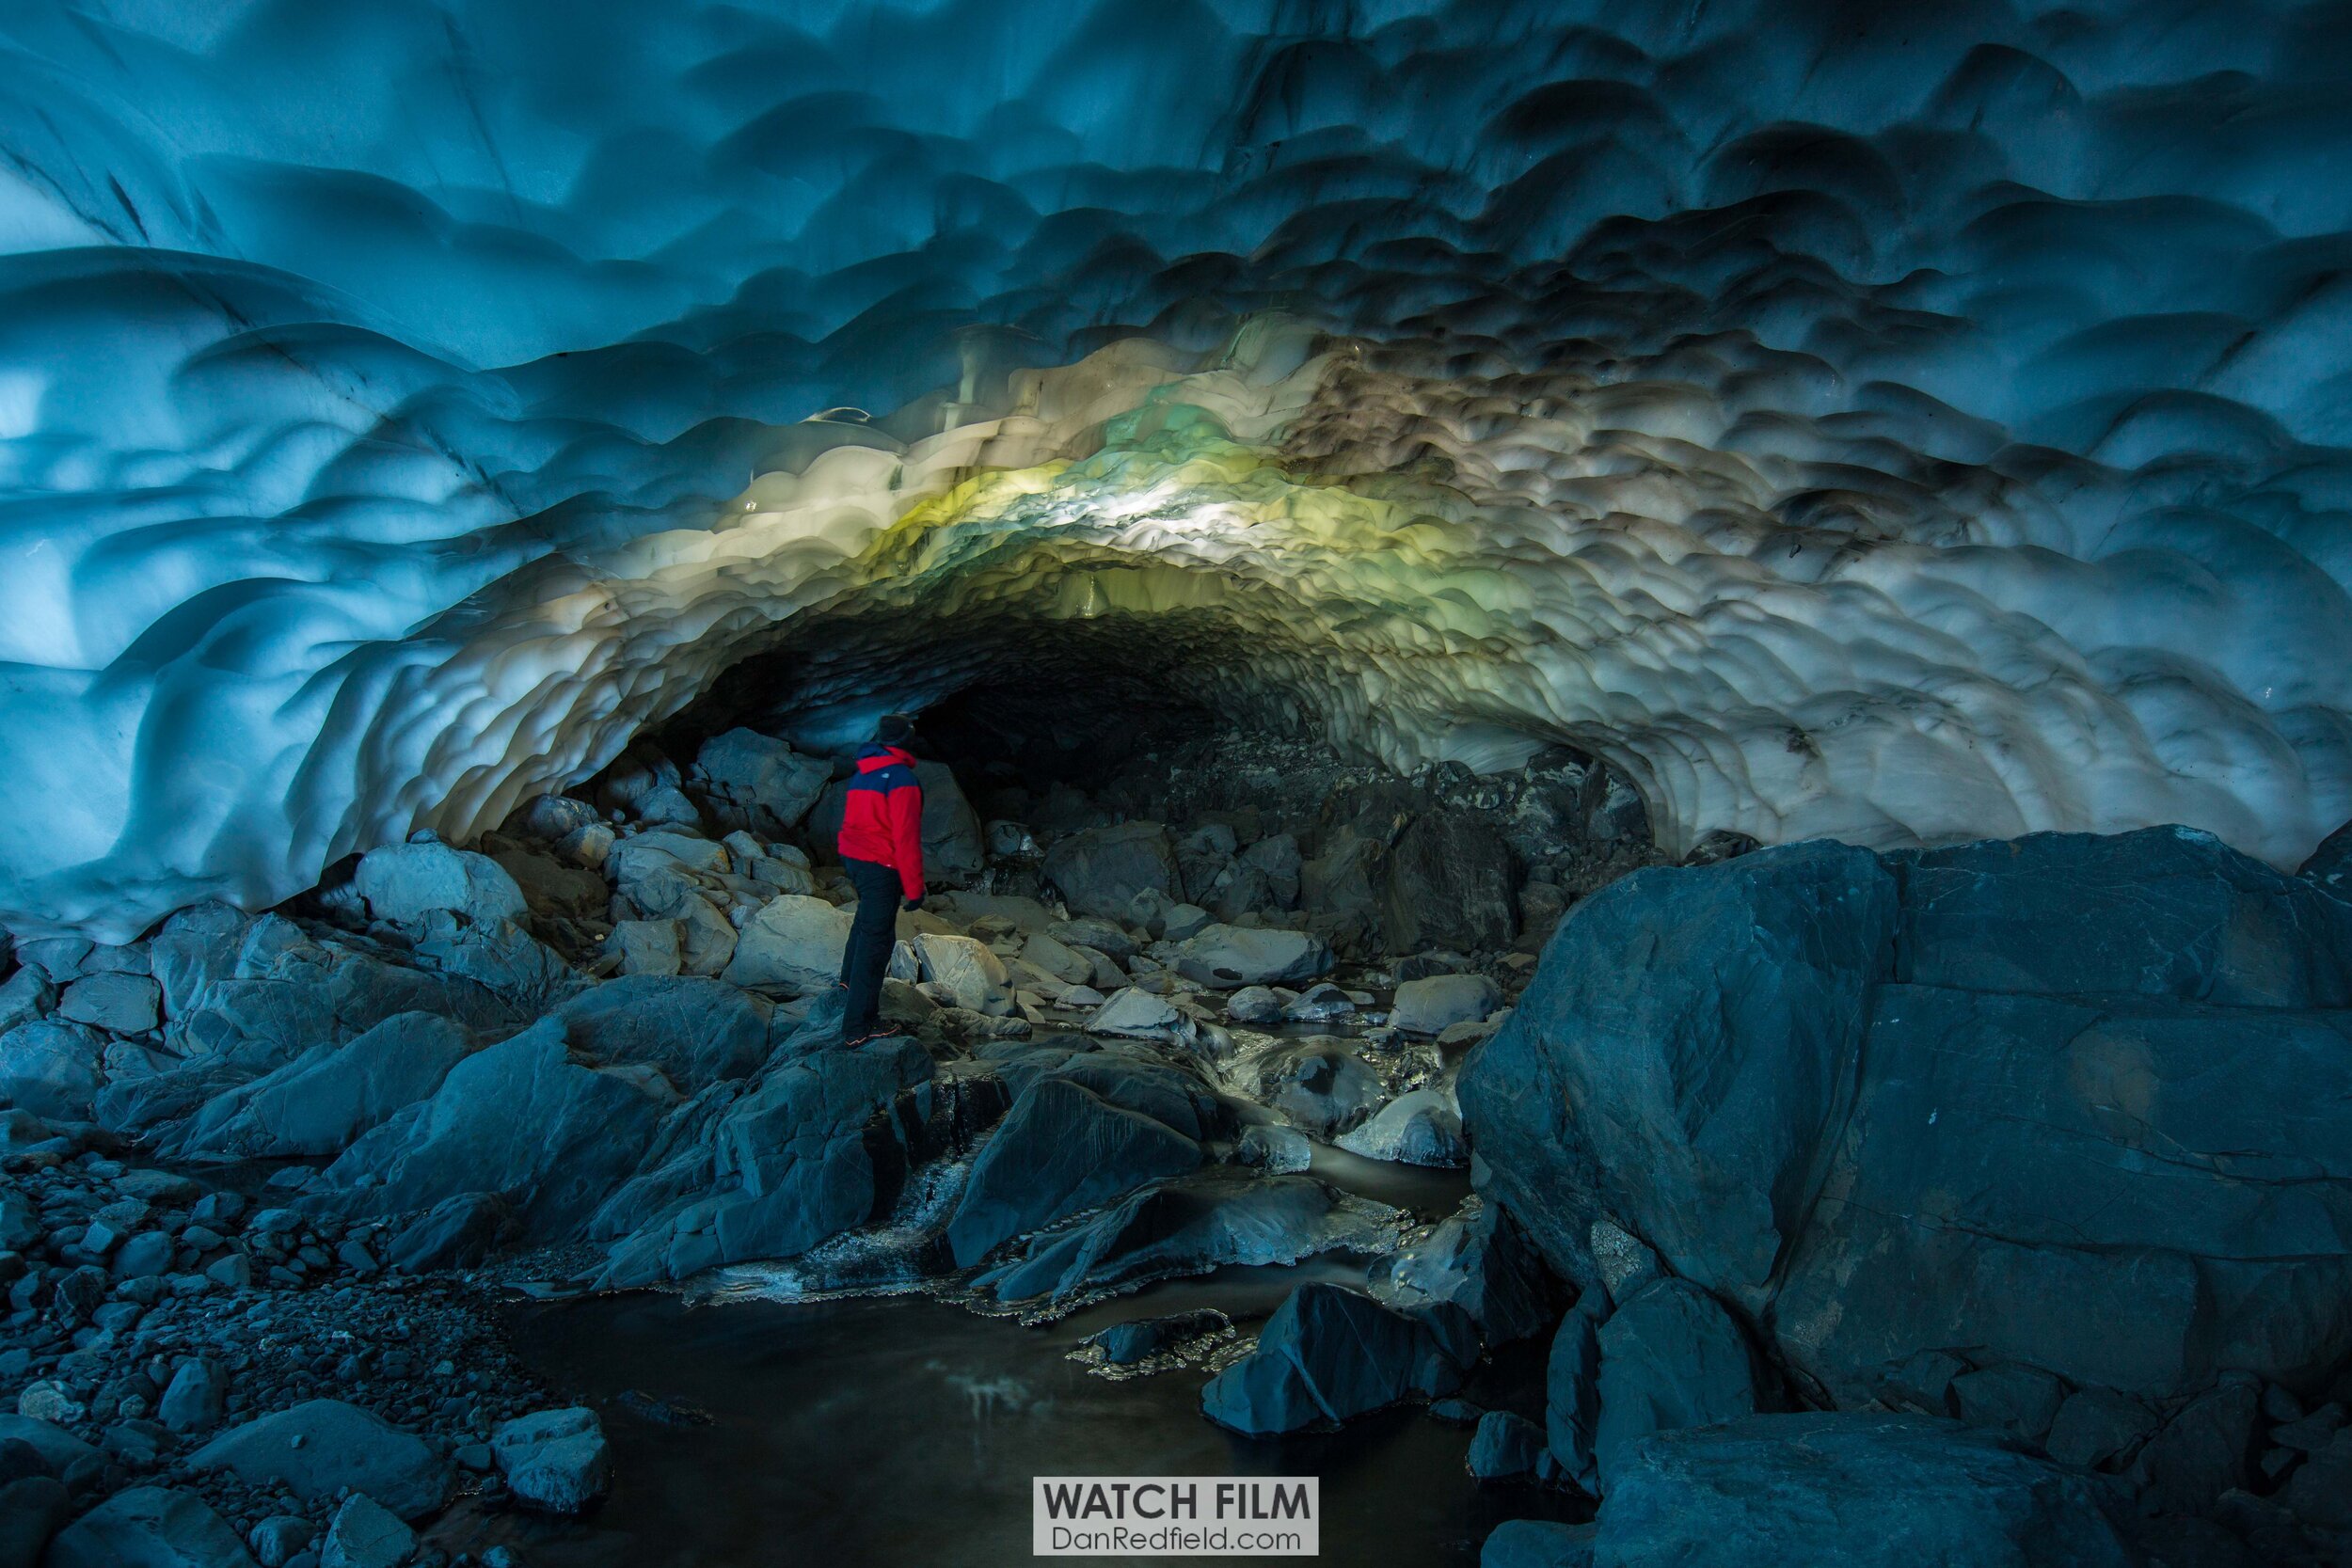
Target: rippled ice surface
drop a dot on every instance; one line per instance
(902, 1429)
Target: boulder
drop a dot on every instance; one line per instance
(1254, 1005)
(192, 1401)
(1688, 1044)
(973, 975)
(2095, 1427)
(149, 1526)
(2330, 864)
(1063, 1148)
(1100, 870)
(455, 1233)
(645, 946)
(1134, 1014)
(118, 1003)
(1453, 882)
(1230, 957)
(402, 883)
(1572, 1396)
(316, 1448)
(1324, 1087)
(1329, 1355)
(792, 945)
(52, 1068)
(1670, 1358)
(1421, 1127)
(756, 782)
(1478, 1260)
(324, 1099)
(696, 1032)
(1436, 1003)
(25, 996)
(2041, 915)
(1849, 1490)
(365, 1534)
(550, 886)
(1505, 1446)
(554, 1460)
(524, 1117)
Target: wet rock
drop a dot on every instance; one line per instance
(1228, 956)
(364, 1534)
(1452, 880)
(149, 1526)
(1274, 1149)
(1323, 1086)
(1254, 1005)
(1505, 1446)
(1321, 1002)
(555, 1460)
(1061, 1149)
(1478, 1260)
(403, 883)
(1670, 1358)
(1329, 1355)
(52, 1068)
(1140, 1340)
(1134, 1014)
(1435, 1004)
(1420, 1126)
(758, 783)
(1099, 871)
(316, 1448)
(792, 945)
(324, 1099)
(1192, 1225)
(1835, 1490)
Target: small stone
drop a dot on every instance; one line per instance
(194, 1398)
(277, 1538)
(555, 1460)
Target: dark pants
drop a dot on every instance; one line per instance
(867, 953)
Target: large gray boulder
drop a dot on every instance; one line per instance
(755, 783)
(696, 1032)
(552, 1131)
(1436, 1003)
(1849, 1490)
(403, 883)
(1686, 1046)
(1100, 871)
(316, 1448)
(2079, 1104)
(1071, 1142)
(1329, 1355)
(793, 945)
(554, 1460)
(325, 1098)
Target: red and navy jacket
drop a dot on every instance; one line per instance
(883, 819)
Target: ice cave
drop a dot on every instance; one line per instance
(1519, 783)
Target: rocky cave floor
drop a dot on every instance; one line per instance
(272, 1183)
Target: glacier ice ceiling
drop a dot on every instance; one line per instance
(1894, 424)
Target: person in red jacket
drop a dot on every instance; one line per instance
(881, 848)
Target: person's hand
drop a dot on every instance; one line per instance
(911, 905)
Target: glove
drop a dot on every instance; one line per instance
(911, 905)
